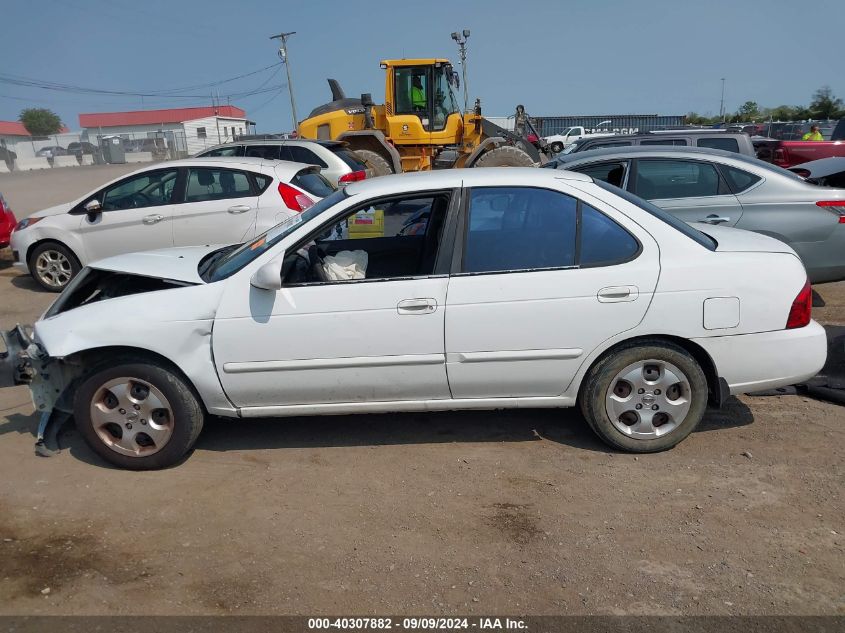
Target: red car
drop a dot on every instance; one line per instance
(7, 223)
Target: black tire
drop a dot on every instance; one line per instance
(375, 162)
(556, 147)
(505, 156)
(57, 250)
(598, 381)
(187, 422)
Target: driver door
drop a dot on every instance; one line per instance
(135, 215)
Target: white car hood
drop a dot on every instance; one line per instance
(740, 241)
(179, 264)
(57, 210)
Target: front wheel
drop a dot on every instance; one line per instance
(53, 265)
(645, 398)
(556, 147)
(138, 416)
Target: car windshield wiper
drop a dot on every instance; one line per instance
(207, 266)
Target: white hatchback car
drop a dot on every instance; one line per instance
(457, 289)
(178, 203)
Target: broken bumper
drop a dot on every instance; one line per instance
(25, 362)
(15, 362)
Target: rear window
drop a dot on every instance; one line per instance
(697, 236)
(351, 159)
(314, 183)
(727, 144)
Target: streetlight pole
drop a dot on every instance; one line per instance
(722, 102)
(283, 54)
(461, 40)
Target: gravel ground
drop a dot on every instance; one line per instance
(474, 512)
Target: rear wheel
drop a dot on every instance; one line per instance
(505, 156)
(645, 398)
(53, 265)
(138, 416)
(375, 162)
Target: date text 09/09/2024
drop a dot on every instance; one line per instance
(417, 623)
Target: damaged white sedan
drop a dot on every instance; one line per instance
(468, 289)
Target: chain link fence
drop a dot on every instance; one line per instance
(86, 148)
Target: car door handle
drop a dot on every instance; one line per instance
(152, 219)
(416, 306)
(715, 219)
(239, 208)
(615, 294)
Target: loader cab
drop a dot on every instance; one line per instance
(420, 100)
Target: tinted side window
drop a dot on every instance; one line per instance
(727, 144)
(518, 228)
(216, 184)
(231, 150)
(660, 179)
(150, 189)
(270, 152)
(304, 155)
(612, 173)
(603, 241)
(603, 145)
(664, 141)
(262, 181)
(739, 180)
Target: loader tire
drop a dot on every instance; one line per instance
(375, 162)
(505, 156)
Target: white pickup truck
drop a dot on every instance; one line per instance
(557, 142)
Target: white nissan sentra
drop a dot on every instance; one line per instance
(457, 289)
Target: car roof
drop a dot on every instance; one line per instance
(281, 141)
(286, 166)
(665, 151)
(452, 178)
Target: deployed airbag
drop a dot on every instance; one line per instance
(346, 265)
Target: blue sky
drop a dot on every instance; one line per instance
(566, 57)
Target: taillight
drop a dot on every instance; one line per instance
(837, 206)
(352, 176)
(799, 313)
(293, 198)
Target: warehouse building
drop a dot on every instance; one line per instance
(183, 131)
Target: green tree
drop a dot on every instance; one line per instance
(40, 121)
(783, 113)
(824, 104)
(748, 111)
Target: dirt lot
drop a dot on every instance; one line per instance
(514, 512)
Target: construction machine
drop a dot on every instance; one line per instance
(421, 126)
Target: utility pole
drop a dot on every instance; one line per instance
(722, 102)
(283, 54)
(461, 40)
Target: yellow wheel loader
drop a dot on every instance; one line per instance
(421, 126)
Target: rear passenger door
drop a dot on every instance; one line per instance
(540, 278)
(220, 207)
(692, 190)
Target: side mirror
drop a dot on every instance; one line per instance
(93, 206)
(269, 276)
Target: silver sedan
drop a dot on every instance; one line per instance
(725, 188)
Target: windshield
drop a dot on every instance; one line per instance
(444, 99)
(233, 260)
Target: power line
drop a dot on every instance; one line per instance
(17, 80)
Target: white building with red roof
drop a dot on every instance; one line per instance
(187, 130)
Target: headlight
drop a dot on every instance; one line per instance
(27, 222)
